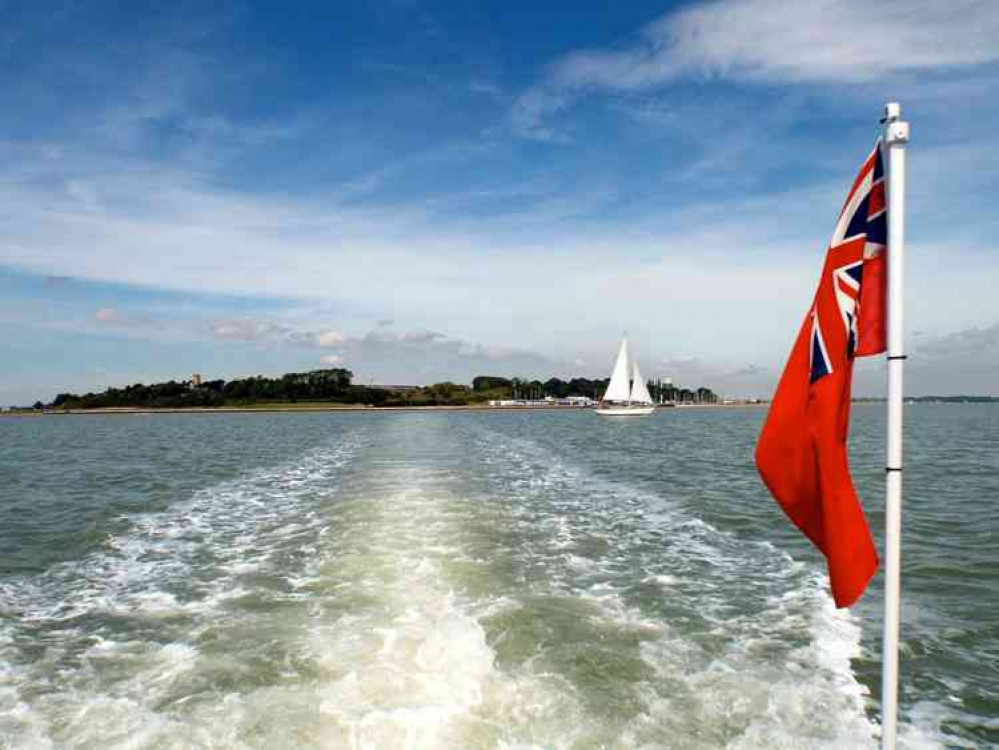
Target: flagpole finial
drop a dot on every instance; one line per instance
(896, 130)
(893, 111)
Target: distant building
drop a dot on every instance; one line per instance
(196, 379)
(546, 401)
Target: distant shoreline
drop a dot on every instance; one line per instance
(350, 408)
(126, 411)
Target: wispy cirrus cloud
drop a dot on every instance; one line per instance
(768, 41)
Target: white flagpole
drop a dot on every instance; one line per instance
(896, 136)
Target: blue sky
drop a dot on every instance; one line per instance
(426, 191)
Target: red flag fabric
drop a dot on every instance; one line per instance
(801, 454)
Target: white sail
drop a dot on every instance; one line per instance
(639, 390)
(618, 390)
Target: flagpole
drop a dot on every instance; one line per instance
(896, 136)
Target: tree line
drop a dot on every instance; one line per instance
(332, 384)
(335, 385)
(504, 388)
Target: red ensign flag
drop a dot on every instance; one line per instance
(802, 453)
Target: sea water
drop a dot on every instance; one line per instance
(476, 580)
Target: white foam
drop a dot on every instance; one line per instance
(410, 670)
(923, 731)
(824, 703)
(757, 693)
(369, 637)
(170, 574)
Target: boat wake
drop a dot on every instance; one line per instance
(424, 585)
(147, 640)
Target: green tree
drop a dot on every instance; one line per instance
(489, 383)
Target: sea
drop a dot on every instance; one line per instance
(480, 579)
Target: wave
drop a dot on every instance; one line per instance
(411, 587)
(740, 645)
(105, 651)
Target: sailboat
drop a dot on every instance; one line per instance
(627, 395)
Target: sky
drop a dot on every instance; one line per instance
(425, 191)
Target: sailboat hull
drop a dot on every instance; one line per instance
(625, 411)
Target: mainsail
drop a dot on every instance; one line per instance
(639, 391)
(624, 398)
(619, 389)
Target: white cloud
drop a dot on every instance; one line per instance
(265, 331)
(248, 330)
(691, 278)
(329, 339)
(823, 41)
(385, 352)
(533, 108)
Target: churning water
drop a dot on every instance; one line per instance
(474, 580)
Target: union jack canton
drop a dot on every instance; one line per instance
(857, 271)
